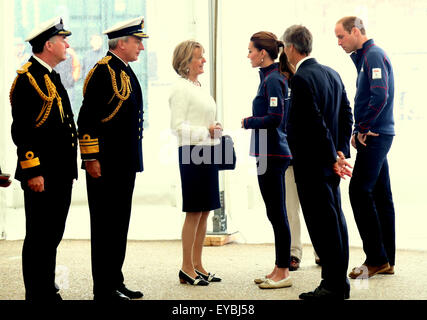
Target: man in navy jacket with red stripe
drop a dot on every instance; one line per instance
(370, 190)
(319, 131)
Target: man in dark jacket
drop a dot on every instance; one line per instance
(319, 130)
(110, 134)
(370, 189)
(44, 132)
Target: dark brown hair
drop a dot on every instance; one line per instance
(269, 42)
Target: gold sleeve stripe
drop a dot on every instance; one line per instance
(88, 145)
(30, 162)
(89, 149)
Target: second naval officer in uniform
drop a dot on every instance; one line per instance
(110, 134)
(45, 135)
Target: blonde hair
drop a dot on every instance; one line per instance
(182, 56)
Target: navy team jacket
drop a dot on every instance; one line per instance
(270, 111)
(373, 103)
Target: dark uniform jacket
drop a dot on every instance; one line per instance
(43, 126)
(320, 118)
(373, 103)
(110, 122)
(270, 112)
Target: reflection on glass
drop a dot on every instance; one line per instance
(86, 20)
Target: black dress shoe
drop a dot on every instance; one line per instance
(185, 278)
(294, 265)
(113, 296)
(129, 293)
(208, 277)
(320, 293)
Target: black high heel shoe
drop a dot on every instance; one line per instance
(185, 278)
(208, 277)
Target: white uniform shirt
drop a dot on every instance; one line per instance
(193, 111)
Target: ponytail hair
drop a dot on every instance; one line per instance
(269, 42)
(285, 67)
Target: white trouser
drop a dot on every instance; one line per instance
(293, 210)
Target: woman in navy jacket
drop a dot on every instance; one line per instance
(269, 146)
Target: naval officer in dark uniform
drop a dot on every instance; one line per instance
(110, 134)
(44, 132)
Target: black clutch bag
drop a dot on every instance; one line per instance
(4, 180)
(224, 154)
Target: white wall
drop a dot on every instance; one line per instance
(396, 26)
(7, 72)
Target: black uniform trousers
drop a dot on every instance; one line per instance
(46, 213)
(110, 203)
(320, 200)
(272, 186)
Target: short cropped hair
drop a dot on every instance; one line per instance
(351, 22)
(112, 43)
(300, 37)
(38, 47)
(182, 56)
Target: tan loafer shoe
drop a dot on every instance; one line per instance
(366, 271)
(271, 284)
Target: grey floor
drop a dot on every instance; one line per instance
(152, 267)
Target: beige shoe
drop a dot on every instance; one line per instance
(388, 271)
(367, 271)
(260, 280)
(271, 284)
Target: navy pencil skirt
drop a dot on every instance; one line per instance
(199, 179)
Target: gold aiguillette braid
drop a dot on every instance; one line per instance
(47, 99)
(122, 94)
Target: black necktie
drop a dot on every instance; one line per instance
(55, 76)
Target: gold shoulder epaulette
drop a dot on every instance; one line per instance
(90, 73)
(22, 70)
(104, 60)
